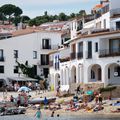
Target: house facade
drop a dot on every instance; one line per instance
(93, 53)
(29, 48)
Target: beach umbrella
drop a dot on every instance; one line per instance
(24, 88)
(89, 92)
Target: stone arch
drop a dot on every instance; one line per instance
(94, 73)
(112, 73)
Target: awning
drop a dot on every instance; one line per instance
(26, 79)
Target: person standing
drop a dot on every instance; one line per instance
(38, 114)
(100, 98)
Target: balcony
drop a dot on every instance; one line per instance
(115, 12)
(80, 55)
(2, 59)
(50, 47)
(109, 52)
(73, 56)
(65, 55)
(65, 59)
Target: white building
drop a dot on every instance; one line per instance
(93, 55)
(30, 47)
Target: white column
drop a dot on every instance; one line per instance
(64, 77)
(81, 74)
(67, 76)
(61, 77)
(77, 74)
(105, 75)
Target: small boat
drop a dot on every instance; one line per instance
(41, 100)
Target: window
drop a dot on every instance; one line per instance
(15, 53)
(34, 54)
(16, 69)
(92, 74)
(44, 59)
(114, 45)
(96, 47)
(46, 44)
(1, 69)
(1, 55)
(108, 73)
(45, 72)
(89, 49)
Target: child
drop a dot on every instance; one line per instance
(38, 114)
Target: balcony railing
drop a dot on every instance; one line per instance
(80, 55)
(109, 52)
(50, 47)
(2, 59)
(73, 56)
(64, 59)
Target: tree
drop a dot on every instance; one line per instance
(8, 10)
(24, 18)
(32, 22)
(72, 15)
(2, 17)
(17, 11)
(26, 69)
(82, 13)
(62, 17)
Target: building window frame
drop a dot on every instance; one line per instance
(34, 54)
(16, 69)
(2, 69)
(96, 47)
(15, 53)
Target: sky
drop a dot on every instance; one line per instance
(33, 8)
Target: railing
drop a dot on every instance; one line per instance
(2, 59)
(80, 55)
(115, 12)
(109, 52)
(73, 56)
(44, 63)
(50, 47)
(64, 59)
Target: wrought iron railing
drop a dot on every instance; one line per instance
(109, 52)
(50, 47)
(80, 55)
(73, 56)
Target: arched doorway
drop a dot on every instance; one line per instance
(113, 74)
(95, 73)
(57, 80)
(73, 74)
